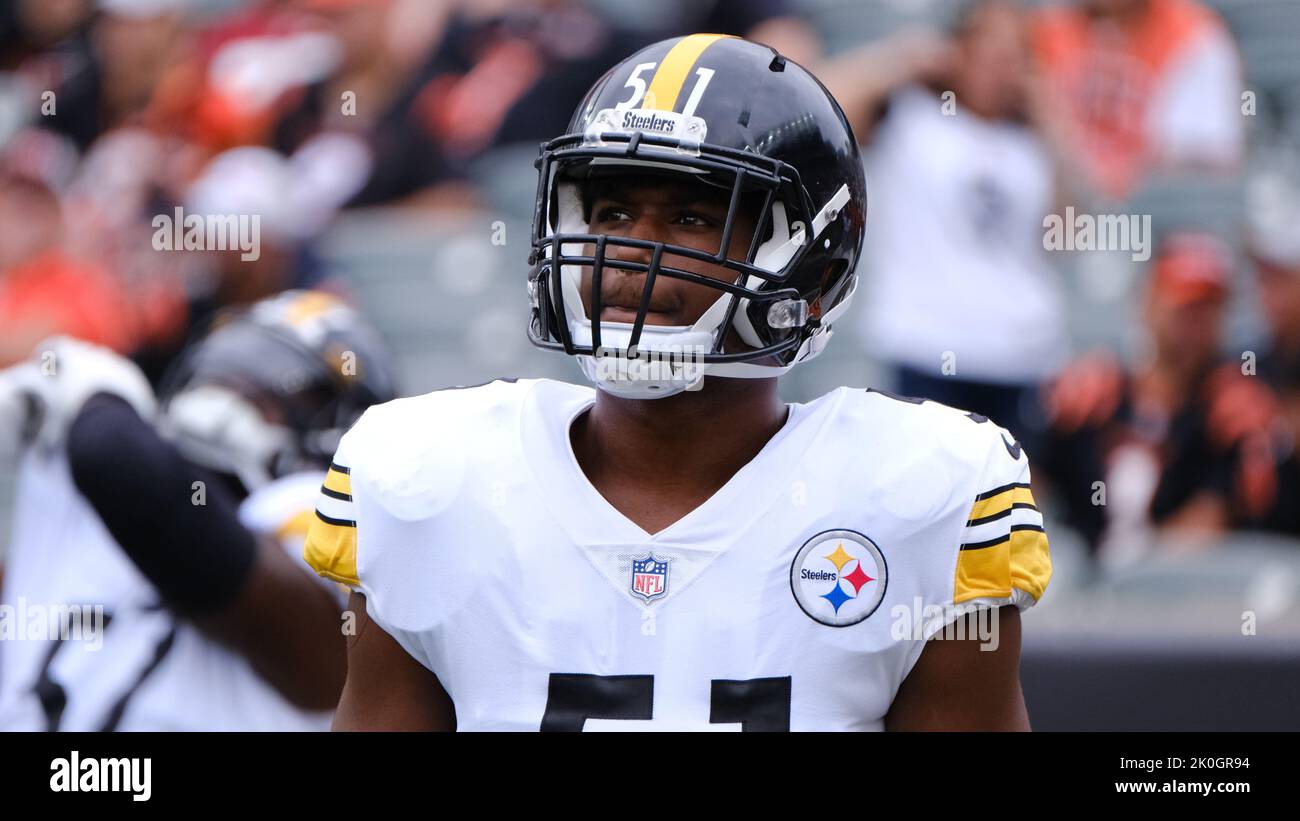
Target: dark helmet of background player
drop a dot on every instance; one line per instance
(740, 116)
(272, 388)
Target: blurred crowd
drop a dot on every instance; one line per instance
(978, 120)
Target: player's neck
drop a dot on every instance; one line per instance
(707, 434)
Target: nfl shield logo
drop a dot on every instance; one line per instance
(650, 577)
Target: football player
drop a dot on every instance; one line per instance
(184, 524)
(678, 548)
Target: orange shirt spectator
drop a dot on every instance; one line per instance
(1146, 84)
(53, 294)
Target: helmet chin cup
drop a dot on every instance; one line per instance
(668, 360)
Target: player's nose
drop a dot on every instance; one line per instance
(640, 230)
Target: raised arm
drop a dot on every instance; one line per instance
(863, 78)
(243, 592)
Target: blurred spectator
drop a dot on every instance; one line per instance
(30, 26)
(249, 65)
(44, 289)
(1273, 246)
(1183, 441)
(117, 73)
(1147, 85)
(774, 23)
(492, 77)
(960, 299)
(292, 199)
(368, 93)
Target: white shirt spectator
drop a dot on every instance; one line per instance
(954, 259)
(1154, 92)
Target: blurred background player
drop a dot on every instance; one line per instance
(185, 523)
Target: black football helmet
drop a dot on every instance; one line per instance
(272, 388)
(734, 114)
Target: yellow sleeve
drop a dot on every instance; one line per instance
(1004, 553)
(331, 546)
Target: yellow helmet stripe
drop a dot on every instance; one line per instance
(673, 69)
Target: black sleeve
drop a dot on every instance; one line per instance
(191, 547)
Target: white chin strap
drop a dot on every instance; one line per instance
(668, 359)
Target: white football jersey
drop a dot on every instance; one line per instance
(797, 597)
(141, 668)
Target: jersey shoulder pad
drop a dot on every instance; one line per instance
(933, 437)
(1002, 555)
(403, 459)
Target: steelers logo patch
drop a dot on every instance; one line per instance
(838, 577)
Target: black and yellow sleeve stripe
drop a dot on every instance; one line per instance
(1004, 547)
(331, 547)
